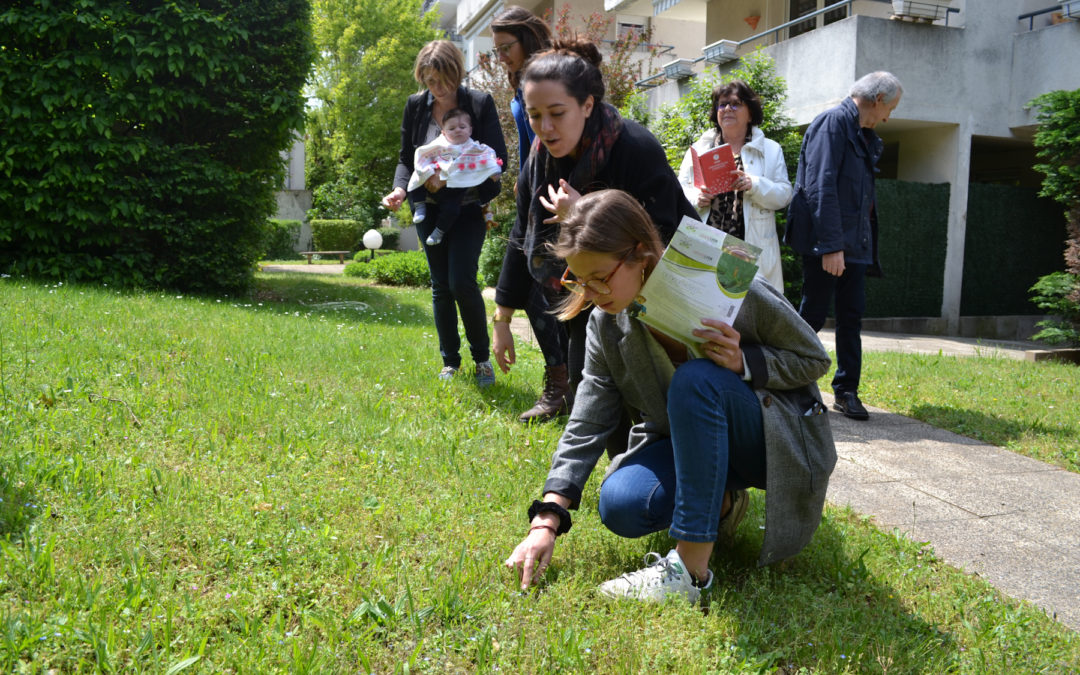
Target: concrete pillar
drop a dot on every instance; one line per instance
(954, 254)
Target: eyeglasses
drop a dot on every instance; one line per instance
(598, 286)
(503, 49)
(734, 105)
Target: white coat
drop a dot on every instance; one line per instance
(763, 162)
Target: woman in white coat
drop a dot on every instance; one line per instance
(761, 183)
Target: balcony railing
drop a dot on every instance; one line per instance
(776, 33)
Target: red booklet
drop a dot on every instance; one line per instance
(712, 169)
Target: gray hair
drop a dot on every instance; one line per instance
(868, 87)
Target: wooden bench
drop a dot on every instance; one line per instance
(340, 254)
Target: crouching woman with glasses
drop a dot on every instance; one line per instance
(748, 414)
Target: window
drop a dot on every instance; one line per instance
(797, 8)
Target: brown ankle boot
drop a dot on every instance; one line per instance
(554, 400)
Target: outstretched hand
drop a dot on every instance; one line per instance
(559, 201)
(532, 556)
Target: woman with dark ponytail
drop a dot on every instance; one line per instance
(518, 34)
(582, 145)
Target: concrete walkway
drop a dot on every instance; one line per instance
(1011, 520)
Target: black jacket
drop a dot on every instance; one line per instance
(638, 165)
(486, 129)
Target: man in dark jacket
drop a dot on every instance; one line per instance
(832, 221)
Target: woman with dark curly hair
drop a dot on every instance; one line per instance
(761, 183)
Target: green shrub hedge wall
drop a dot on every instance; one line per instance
(1013, 238)
(141, 140)
(913, 222)
(279, 239)
(335, 235)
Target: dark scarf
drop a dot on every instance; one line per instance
(597, 138)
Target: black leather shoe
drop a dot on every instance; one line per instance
(849, 404)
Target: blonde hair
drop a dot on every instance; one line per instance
(442, 57)
(609, 222)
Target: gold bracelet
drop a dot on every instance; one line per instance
(495, 318)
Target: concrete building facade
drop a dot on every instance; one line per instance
(968, 76)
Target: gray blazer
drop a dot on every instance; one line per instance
(626, 366)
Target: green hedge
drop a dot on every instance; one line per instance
(913, 221)
(406, 268)
(280, 238)
(1013, 238)
(491, 255)
(336, 235)
(141, 140)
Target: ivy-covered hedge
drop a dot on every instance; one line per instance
(335, 235)
(913, 222)
(141, 141)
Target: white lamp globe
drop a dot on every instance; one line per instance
(372, 239)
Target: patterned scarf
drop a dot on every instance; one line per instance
(601, 131)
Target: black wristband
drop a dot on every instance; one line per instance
(551, 507)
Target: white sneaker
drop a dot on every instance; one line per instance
(660, 579)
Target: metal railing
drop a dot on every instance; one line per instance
(775, 32)
(1030, 16)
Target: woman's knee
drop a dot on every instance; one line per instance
(621, 510)
(700, 377)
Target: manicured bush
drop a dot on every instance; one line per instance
(336, 235)
(404, 268)
(279, 239)
(390, 237)
(142, 140)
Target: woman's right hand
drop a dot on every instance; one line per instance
(393, 200)
(532, 556)
(503, 346)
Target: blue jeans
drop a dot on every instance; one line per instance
(717, 443)
(453, 265)
(849, 290)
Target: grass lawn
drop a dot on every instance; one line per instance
(1026, 407)
(279, 483)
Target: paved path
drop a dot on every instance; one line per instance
(314, 268)
(1009, 519)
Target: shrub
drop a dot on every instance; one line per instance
(491, 255)
(279, 239)
(390, 237)
(335, 235)
(405, 268)
(142, 140)
(1053, 293)
(1058, 143)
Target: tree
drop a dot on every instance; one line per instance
(363, 76)
(142, 139)
(1058, 142)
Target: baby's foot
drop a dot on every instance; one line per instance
(435, 238)
(419, 213)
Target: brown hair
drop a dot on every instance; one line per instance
(457, 112)
(610, 222)
(573, 63)
(744, 93)
(442, 57)
(528, 29)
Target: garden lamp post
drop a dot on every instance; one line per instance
(372, 241)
